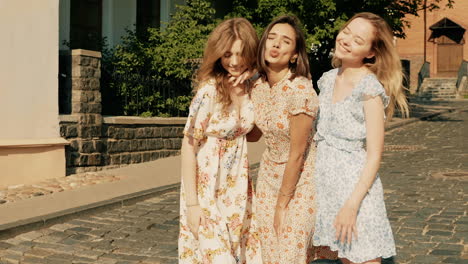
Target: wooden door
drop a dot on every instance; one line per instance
(449, 58)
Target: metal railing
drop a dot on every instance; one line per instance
(134, 94)
(423, 73)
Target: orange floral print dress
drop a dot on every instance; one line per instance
(224, 187)
(273, 108)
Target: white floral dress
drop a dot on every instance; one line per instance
(224, 186)
(341, 156)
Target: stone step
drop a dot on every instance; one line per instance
(436, 97)
(441, 94)
(438, 82)
(440, 79)
(432, 96)
(445, 85)
(438, 89)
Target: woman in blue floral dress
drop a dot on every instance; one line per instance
(355, 97)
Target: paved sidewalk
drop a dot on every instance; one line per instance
(26, 207)
(426, 207)
(77, 181)
(40, 202)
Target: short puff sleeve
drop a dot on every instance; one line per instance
(371, 87)
(200, 112)
(303, 98)
(321, 82)
(326, 80)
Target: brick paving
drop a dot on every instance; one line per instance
(24, 191)
(427, 207)
(144, 232)
(428, 210)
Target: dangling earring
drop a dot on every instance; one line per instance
(293, 60)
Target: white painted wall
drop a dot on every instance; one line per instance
(29, 69)
(117, 15)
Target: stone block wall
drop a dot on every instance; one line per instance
(123, 141)
(98, 142)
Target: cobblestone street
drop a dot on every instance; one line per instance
(427, 209)
(425, 176)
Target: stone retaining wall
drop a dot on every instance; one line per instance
(98, 142)
(462, 89)
(416, 62)
(121, 141)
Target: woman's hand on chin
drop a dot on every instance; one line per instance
(235, 81)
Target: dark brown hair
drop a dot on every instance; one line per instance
(219, 42)
(301, 66)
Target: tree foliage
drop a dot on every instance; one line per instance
(151, 72)
(322, 19)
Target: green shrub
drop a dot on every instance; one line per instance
(150, 74)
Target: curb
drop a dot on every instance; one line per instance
(24, 225)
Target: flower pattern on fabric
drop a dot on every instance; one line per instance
(340, 137)
(224, 186)
(274, 106)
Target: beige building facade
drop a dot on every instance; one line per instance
(34, 33)
(31, 148)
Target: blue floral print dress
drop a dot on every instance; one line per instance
(224, 186)
(341, 156)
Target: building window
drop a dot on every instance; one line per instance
(86, 24)
(148, 15)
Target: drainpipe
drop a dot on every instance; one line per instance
(425, 5)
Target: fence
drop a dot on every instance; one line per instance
(129, 94)
(143, 94)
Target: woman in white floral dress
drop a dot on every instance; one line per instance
(351, 216)
(217, 222)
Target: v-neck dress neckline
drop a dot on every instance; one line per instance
(353, 90)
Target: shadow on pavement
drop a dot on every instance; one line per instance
(442, 119)
(327, 261)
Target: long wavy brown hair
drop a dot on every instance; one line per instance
(219, 42)
(386, 64)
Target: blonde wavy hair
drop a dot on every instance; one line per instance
(386, 64)
(219, 42)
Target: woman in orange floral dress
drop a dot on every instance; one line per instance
(217, 224)
(285, 106)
